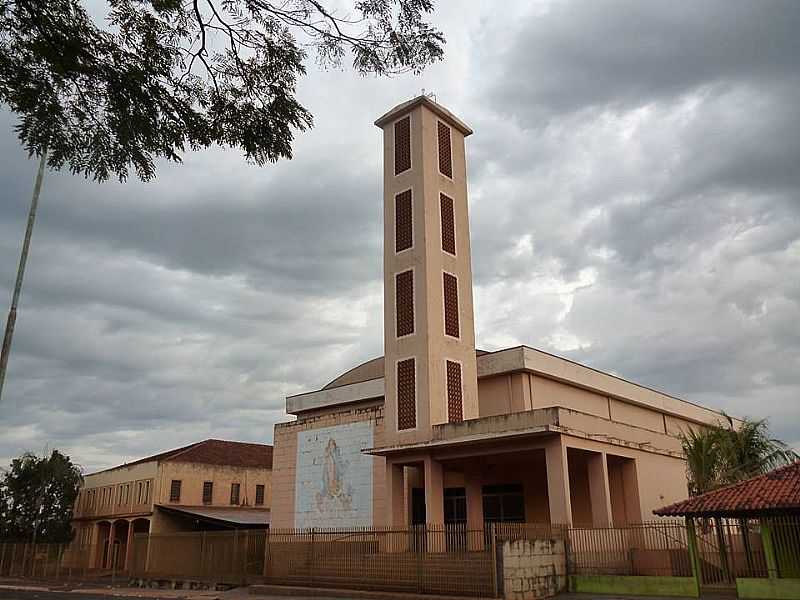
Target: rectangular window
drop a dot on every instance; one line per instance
(402, 145)
(259, 495)
(406, 394)
(448, 218)
(504, 503)
(175, 491)
(404, 303)
(455, 401)
(208, 492)
(450, 290)
(445, 156)
(235, 493)
(147, 491)
(403, 225)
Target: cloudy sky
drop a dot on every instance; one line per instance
(635, 205)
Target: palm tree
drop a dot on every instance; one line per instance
(718, 456)
(701, 449)
(749, 451)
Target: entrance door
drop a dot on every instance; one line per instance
(418, 537)
(455, 518)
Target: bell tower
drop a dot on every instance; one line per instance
(429, 331)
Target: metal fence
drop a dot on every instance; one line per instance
(785, 532)
(656, 548)
(45, 561)
(729, 548)
(452, 559)
(235, 557)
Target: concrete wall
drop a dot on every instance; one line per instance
(285, 474)
(193, 475)
(533, 569)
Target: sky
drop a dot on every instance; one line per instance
(634, 189)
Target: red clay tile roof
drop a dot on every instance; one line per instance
(221, 452)
(776, 491)
(216, 452)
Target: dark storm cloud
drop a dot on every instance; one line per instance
(626, 54)
(654, 151)
(635, 204)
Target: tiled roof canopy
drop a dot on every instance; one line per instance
(775, 492)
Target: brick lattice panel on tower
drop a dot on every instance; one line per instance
(450, 288)
(455, 400)
(404, 302)
(402, 145)
(445, 157)
(403, 225)
(406, 394)
(448, 224)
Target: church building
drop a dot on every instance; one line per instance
(438, 432)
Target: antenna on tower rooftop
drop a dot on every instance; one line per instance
(430, 95)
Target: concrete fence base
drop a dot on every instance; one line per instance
(637, 585)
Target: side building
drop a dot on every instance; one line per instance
(438, 432)
(208, 485)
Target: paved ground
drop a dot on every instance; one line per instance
(34, 592)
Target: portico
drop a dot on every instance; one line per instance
(530, 475)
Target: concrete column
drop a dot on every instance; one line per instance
(630, 479)
(434, 491)
(599, 490)
(395, 496)
(558, 482)
(473, 488)
(434, 505)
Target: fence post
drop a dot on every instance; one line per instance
(769, 549)
(495, 574)
(418, 553)
(694, 554)
(311, 559)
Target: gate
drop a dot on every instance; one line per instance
(728, 549)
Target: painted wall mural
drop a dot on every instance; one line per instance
(333, 482)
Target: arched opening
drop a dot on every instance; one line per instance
(119, 546)
(103, 537)
(137, 553)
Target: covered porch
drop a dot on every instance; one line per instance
(534, 476)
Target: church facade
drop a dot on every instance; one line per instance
(438, 432)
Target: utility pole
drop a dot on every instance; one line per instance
(23, 259)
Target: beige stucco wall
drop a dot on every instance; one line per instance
(428, 344)
(193, 475)
(515, 392)
(107, 484)
(285, 459)
(661, 478)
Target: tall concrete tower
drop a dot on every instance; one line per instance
(429, 330)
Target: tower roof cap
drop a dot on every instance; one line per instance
(435, 107)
